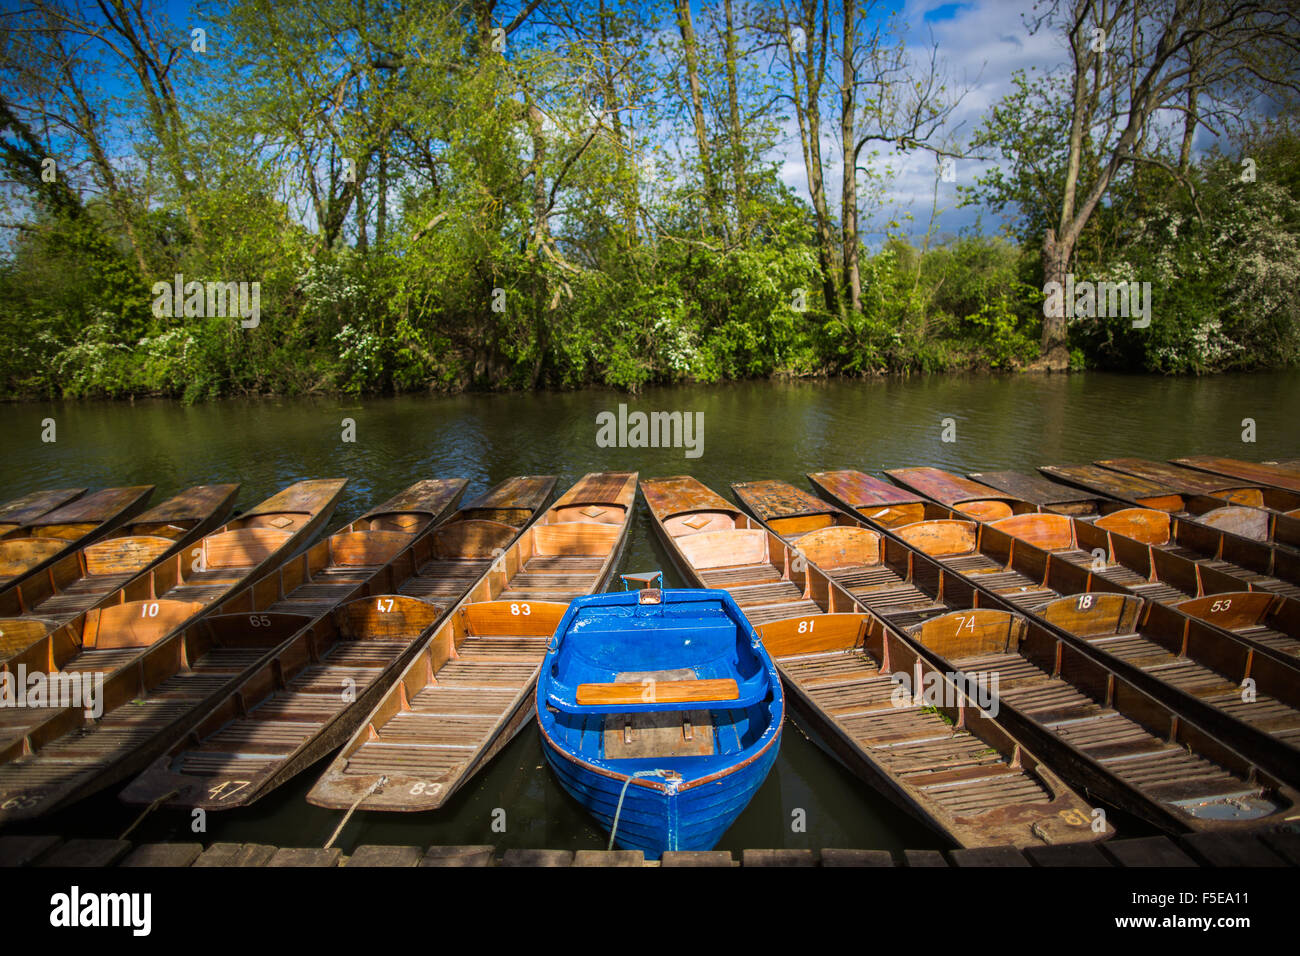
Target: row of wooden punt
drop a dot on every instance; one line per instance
(230, 666)
(424, 636)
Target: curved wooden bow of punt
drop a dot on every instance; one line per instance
(1277, 475)
(84, 579)
(857, 492)
(1050, 495)
(788, 510)
(31, 547)
(961, 494)
(1120, 486)
(24, 509)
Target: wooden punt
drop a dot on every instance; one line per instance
(25, 508)
(961, 494)
(469, 688)
(1195, 665)
(1130, 488)
(1283, 474)
(45, 538)
(1047, 495)
(942, 759)
(911, 589)
(886, 504)
(149, 704)
(169, 595)
(79, 581)
(309, 696)
(1101, 731)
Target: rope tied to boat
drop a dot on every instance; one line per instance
(352, 809)
(618, 811)
(148, 810)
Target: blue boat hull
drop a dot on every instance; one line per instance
(653, 820)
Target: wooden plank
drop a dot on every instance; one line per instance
(377, 855)
(923, 858)
(164, 854)
(306, 856)
(988, 856)
(697, 858)
(1146, 851)
(26, 508)
(778, 858)
(236, 854)
(22, 850)
(1229, 849)
(1032, 488)
(97, 507)
(771, 500)
(609, 858)
(943, 486)
(835, 857)
(857, 489)
(479, 855)
(1279, 476)
(1118, 485)
(682, 493)
(1067, 854)
(81, 853)
(518, 857)
(656, 692)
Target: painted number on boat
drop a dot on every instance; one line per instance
(1075, 818)
(22, 801)
(428, 789)
(1085, 601)
(806, 627)
(149, 610)
(384, 605)
(1218, 606)
(965, 624)
(219, 791)
(518, 609)
(259, 620)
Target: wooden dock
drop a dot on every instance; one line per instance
(1262, 848)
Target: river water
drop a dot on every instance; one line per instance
(750, 431)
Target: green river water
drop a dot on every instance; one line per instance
(751, 431)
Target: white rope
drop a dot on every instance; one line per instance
(348, 816)
(613, 831)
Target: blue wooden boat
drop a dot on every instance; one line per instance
(660, 712)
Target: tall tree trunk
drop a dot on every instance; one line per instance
(849, 182)
(1056, 265)
(691, 54)
(733, 117)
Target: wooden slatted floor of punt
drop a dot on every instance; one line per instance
(326, 589)
(763, 593)
(953, 767)
(887, 593)
(443, 581)
(450, 718)
(1163, 771)
(281, 722)
(1161, 592)
(90, 750)
(553, 578)
(79, 596)
(1266, 713)
(1271, 637)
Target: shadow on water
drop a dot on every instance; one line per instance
(751, 431)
